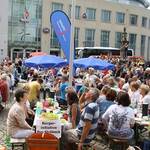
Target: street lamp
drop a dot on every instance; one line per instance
(71, 43)
(125, 44)
(24, 20)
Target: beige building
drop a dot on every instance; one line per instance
(3, 29)
(101, 23)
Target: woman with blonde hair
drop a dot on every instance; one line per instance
(144, 91)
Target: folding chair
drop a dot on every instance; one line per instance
(42, 141)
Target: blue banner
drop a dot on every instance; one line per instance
(62, 27)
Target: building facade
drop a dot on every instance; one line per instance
(101, 23)
(3, 29)
(24, 29)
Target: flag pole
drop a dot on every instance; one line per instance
(71, 44)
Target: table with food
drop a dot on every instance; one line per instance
(49, 117)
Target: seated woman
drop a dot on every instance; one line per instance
(144, 91)
(17, 127)
(103, 93)
(74, 110)
(119, 118)
(105, 104)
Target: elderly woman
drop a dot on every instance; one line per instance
(134, 94)
(17, 127)
(144, 91)
(119, 118)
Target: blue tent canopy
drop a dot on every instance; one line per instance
(94, 63)
(44, 61)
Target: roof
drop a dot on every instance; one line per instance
(141, 3)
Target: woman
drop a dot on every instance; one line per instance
(119, 118)
(74, 111)
(103, 93)
(17, 127)
(105, 104)
(144, 91)
(134, 94)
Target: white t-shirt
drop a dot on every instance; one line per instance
(91, 79)
(135, 98)
(146, 99)
(119, 120)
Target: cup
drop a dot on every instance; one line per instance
(145, 109)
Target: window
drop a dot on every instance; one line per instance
(143, 40)
(133, 19)
(118, 37)
(105, 15)
(90, 12)
(89, 37)
(77, 12)
(144, 22)
(120, 17)
(105, 38)
(57, 6)
(76, 37)
(54, 43)
(132, 41)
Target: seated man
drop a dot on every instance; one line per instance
(85, 131)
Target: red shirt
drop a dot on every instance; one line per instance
(4, 90)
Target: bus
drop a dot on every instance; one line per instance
(84, 52)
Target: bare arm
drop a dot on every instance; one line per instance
(85, 131)
(82, 100)
(74, 115)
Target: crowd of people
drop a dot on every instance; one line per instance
(106, 100)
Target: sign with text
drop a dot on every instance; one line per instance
(53, 127)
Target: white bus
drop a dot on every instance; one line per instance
(83, 52)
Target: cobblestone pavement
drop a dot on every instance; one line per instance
(3, 118)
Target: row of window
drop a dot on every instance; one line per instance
(106, 15)
(105, 39)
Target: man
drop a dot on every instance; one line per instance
(34, 92)
(85, 131)
(91, 77)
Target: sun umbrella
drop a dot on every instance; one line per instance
(95, 63)
(45, 61)
(37, 54)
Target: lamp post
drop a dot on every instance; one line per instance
(71, 44)
(124, 43)
(24, 20)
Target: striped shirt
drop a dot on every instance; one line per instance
(91, 113)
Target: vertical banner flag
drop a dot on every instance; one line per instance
(62, 27)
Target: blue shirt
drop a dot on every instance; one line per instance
(103, 106)
(91, 113)
(63, 90)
